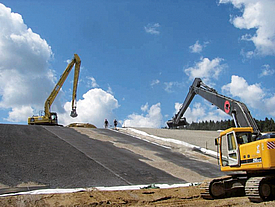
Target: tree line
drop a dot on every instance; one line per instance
(267, 125)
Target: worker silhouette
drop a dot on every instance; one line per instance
(106, 123)
(115, 123)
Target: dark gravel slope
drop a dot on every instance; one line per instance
(33, 154)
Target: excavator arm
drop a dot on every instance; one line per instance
(236, 109)
(76, 76)
(50, 118)
(75, 61)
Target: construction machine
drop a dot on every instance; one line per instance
(243, 151)
(50, 118)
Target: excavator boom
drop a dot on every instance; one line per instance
(50, 118)
(236, 109)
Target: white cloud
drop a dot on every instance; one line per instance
(92, 82)
(252, 95)
(259, 15)
(19, 113)
(269, 105)
(197, 47)
(155, 82)
(153, 118)
(145, 107)
(95, 106)
(24, 71)
(206, 69)
(110, 90)
(152, 28)
(169, 86)
(266, 71)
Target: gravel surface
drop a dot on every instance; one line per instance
(205, 139)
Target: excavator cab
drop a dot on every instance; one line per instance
(229, 143)
(43, 120)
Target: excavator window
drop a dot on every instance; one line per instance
(231, 142)
(53, 116)
(233, 153)
(243, 137)
(224, 151)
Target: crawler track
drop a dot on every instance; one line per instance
(259, 189)
(223, 187)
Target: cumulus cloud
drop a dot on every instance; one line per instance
(258, 15)
(266, 71)
(18, 112)
(24, 71)
(206, 69)
(197, 47)
(152, 118)
(252, 95)
(94, 107)
(152, 28)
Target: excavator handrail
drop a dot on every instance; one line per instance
(75, 61)
(236, 109)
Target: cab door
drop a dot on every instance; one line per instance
(233, 149)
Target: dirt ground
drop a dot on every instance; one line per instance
(185, 196)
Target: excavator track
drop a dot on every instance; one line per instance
(223, 187)
(204, 189)
(259, 189)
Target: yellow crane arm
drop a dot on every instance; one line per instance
(75, 61)
(76, 76)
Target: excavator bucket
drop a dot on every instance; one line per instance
(73, 113)
(172, 125)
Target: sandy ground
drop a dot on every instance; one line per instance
(188, 196)
(184, 196)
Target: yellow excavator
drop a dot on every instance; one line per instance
(242, 150)
(50, 118)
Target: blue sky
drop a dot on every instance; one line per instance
(138, 57)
